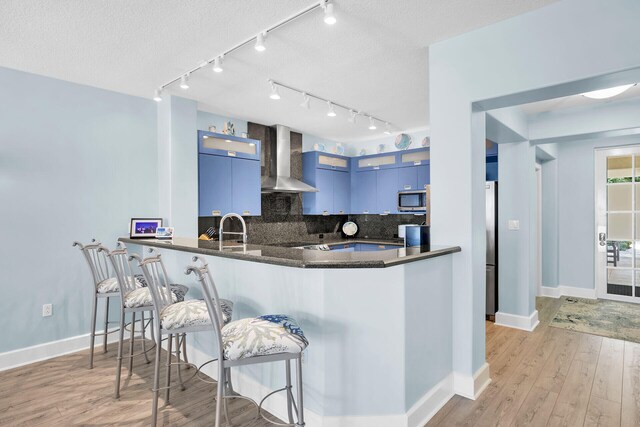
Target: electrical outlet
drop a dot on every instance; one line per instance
(47, 310)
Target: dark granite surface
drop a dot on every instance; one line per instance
(302, 258)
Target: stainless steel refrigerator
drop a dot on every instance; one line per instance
(492, 249)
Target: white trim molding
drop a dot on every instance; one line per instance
(472, 387)
(36, 353)
(568, 291)
(526, 323)
(417, 416)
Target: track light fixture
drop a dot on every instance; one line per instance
(184, 81)
(260, 47)
(329, 17)
(387, 129)
(331, 112)
(217, 65)
(157, 95)
(306, 101)
(352, 116)
(372, 124)
(274, 91)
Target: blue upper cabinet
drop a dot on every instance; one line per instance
(364, 192)
(228, 145)
(492, 148)
(375, 162)
(213, 184)
(329, 174)
(229, 175)
(492, 168)
(424, 175)
(387, 191)
(415, 157)
(408, 178)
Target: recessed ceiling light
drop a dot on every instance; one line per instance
(607, 93)
(184, 81)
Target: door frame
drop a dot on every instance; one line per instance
(600, 226)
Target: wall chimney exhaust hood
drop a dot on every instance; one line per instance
(280, 180)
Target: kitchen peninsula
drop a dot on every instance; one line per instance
(378, 323)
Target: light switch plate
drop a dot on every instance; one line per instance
(514, 224)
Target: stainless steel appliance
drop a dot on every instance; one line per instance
(413, 200)
(417, 235)
(492, 248)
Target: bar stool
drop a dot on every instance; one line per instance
(174, 320)
(105, 287)
(133, 300)
(250, 341)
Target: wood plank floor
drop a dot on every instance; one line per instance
(63, 392)
(552, 377)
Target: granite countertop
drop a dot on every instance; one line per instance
(303, 258)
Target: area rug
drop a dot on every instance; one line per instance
(613, 319)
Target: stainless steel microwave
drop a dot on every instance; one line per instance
(413, 200)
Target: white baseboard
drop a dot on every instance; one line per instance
(417, 416)
(472, 386)
(526, 323)
(567, 291)
(36, 353)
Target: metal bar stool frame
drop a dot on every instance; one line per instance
(215, 312)
(99, 267)
(121, 265)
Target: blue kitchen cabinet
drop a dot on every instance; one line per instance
(245, 183)
(341, 192)
(375, 162)
(364, 192)
(424, 175)
(214, 189)
(492, 168)
(220, 144)
(408, 178)
(387, 191)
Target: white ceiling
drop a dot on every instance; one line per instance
(374, 59)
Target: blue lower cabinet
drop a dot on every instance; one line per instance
(341, 192)
(214, 189)
(245, 179)
(387, 191)
(364, 193)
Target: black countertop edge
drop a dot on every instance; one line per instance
(283, 258)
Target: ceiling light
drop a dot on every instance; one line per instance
(387, 130)
(260, 47)
(331, 112)
(352, 116)
(607, 93)
(184, 81)
(274, 91)
(157, 96)
(329, 17)
(306, 101)
(217, 65)
(372, 123)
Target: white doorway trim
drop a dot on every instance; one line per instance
(539, 229)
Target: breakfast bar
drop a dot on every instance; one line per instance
(372, 318)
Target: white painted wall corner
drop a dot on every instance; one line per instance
(472, 386)
(567, 291)
(526, 323)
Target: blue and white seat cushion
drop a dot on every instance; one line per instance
(261, 336)
(141, 297)
(111, 284)
(191, 313)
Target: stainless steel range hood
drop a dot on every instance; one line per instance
(280, 181)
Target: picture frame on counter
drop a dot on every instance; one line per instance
(144, 228)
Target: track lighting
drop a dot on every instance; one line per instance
(306, 101)
(274, 91)
(352, 116)
(157, 96)
(331, 112)
(387, 130)
(217, 65)
(260, 47)
(372, 124)
(329, 17)
(184, 81)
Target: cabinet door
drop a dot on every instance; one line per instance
(214, 188)
(341, 192)
(408, 178)
(492, 171)
(423, 176)
(387, 186)
(245, 179)
(364, 188)
(324, 196)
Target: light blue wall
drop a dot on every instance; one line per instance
(550, 224)
(75, 162)
(490, 63)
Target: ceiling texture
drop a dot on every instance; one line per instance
(374, 59)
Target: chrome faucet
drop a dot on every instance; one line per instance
(221, 232)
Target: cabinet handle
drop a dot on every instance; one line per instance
(417, 163)
(407, 187)
(246, 213)
(215, 213)
(341, 211)
(325, 213)
(375, 168)
(231, 153)
(365, 212)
